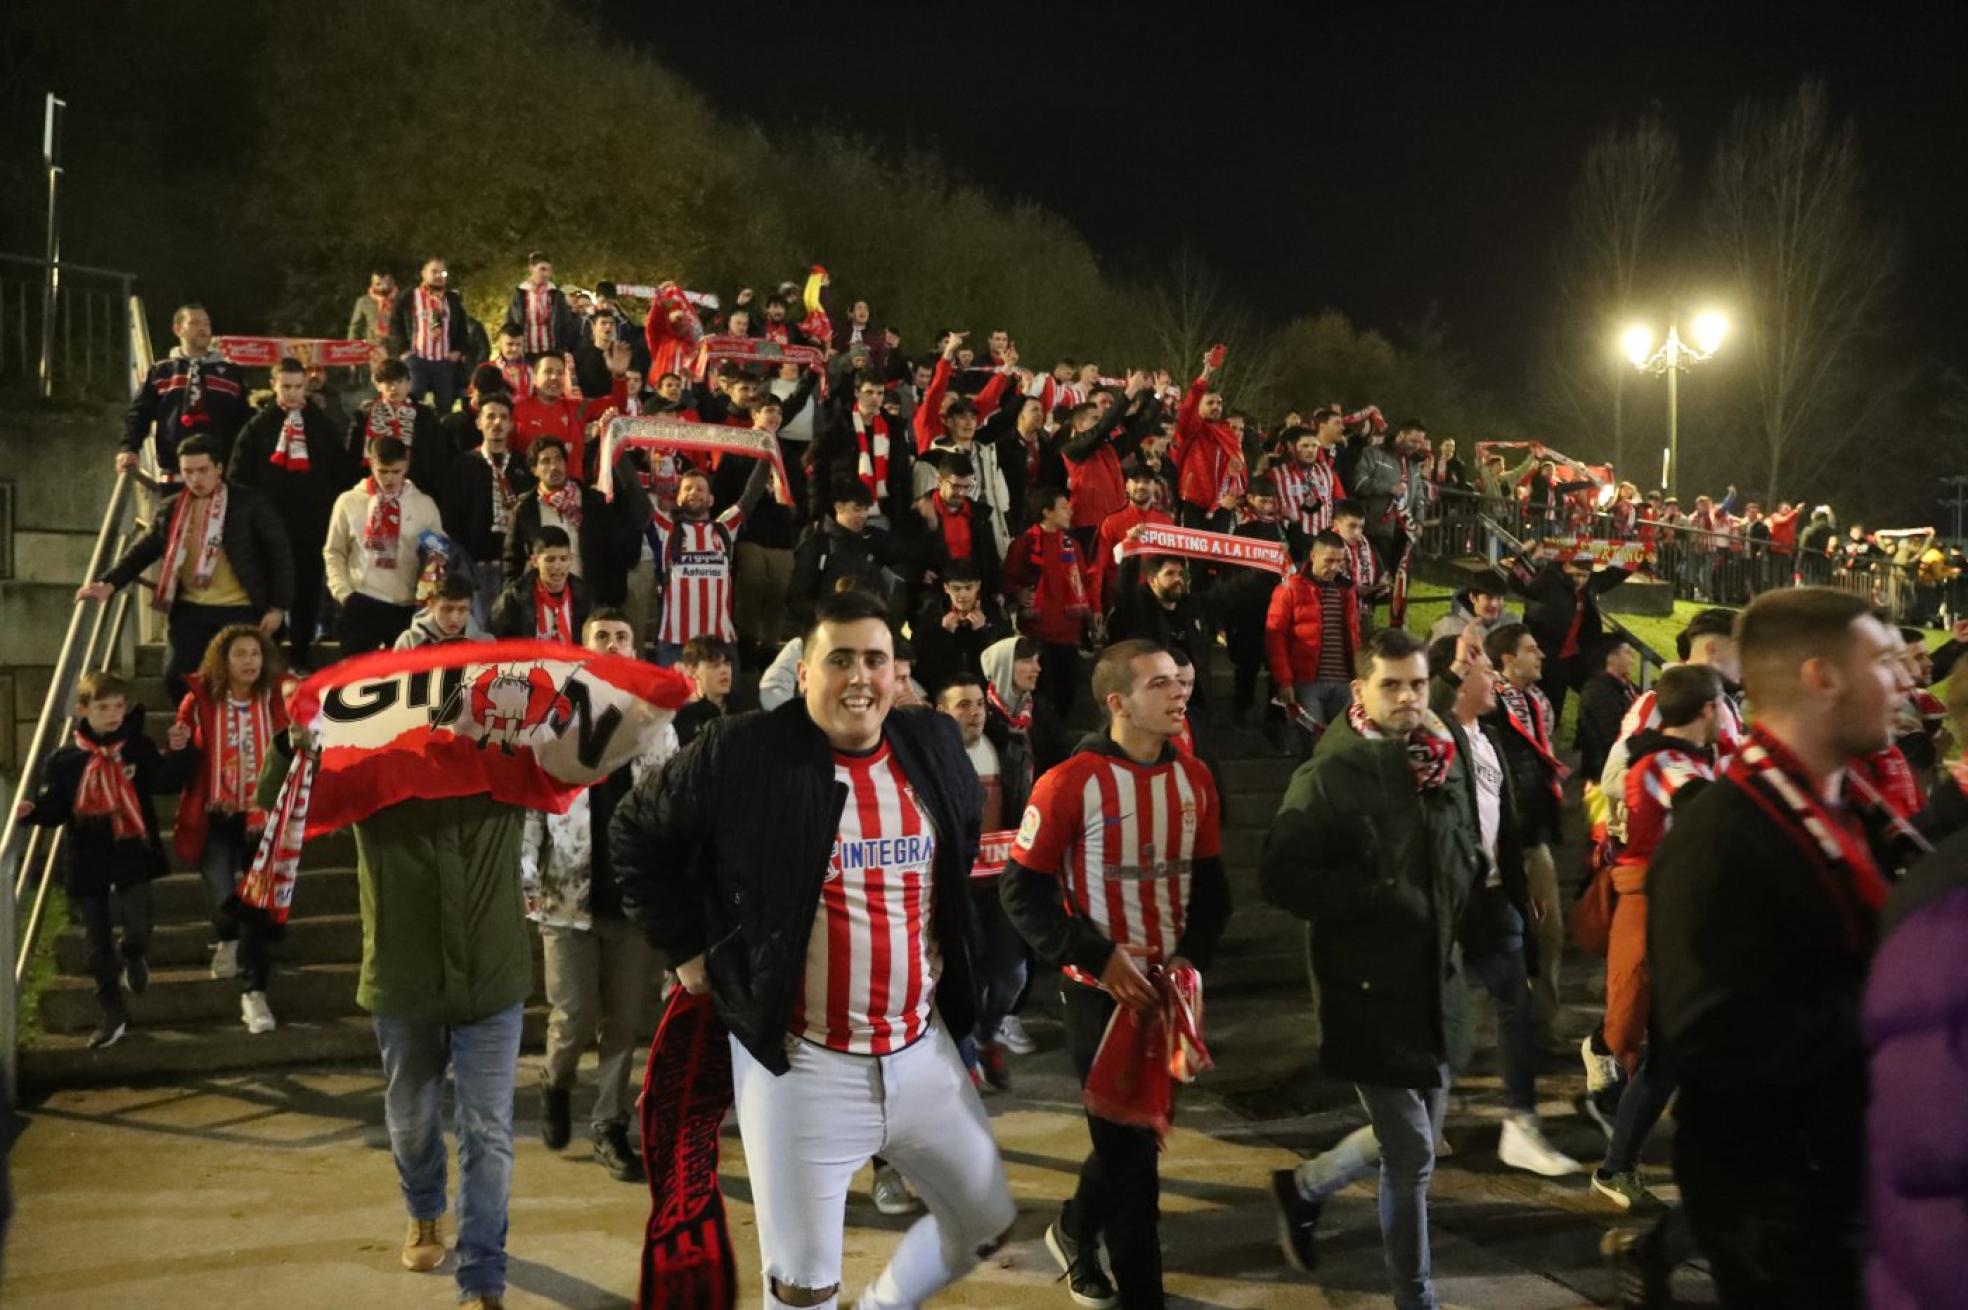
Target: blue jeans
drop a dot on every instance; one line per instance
(439, 377)
(1502, 975)
(482, 1057)
(1325, 700)
(1405, 1121)
(1640, 1108)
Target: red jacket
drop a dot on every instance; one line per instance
(1113, 530)
(1209, 454)
(928, 420)
(199, 712)
(536, 416)
(1295, 628)
(1048, 564)
(1097, 485)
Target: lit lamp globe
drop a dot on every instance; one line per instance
(1638, 343)
(1710, 328)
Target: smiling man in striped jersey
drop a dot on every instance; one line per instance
(1118, 872)
(809, 866)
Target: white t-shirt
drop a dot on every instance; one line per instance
(1489, 797)
(984, 759)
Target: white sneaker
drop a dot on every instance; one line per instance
(892, 1195)
(255, 1013)
(1601, 1071)
(1523, 1146)
(1013, 1037)
(225, 960)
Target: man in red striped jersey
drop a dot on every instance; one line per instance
(696, 562)
(809, 866)
(1117, 873)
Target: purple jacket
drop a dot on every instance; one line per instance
(1916, 1018)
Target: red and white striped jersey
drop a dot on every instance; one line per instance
(1124, 838)
(1644, 715)
(871, 961)
(696, 566)
(1362, 565)
(1307, 493)
(1650, 788)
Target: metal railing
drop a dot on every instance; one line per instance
(1702, 566)
(91, 351)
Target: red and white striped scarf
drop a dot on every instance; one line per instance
(1362, 563)
(387, 420)
(1019, 722)
(1530, 715)
(872, 454)
(209, 530)
(518, 376)
(268, 882)
(565, 502)
(106, 791)
(539, 318)
(291, 451)
(1834, 845)
(382, 532)
(553, 616)
(245, 730)
(503, 496)
(1431, 750)
(433, 331)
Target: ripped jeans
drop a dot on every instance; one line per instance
(809, 1131)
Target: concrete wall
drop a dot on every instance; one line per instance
(58, 461)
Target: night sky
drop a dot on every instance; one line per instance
(1375, 158)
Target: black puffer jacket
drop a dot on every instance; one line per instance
(93, 859)
(723, 854)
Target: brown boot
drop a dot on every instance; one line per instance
(423, 1246)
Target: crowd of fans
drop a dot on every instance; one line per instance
(989, 514)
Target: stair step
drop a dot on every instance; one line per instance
(176, 1051)
(188, 944)
(186, 996)
(180, 897)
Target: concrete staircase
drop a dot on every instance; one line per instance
(187, 1022)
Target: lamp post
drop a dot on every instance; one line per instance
(1672, 357)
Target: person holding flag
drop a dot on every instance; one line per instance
(1117, 877)
(832, 944)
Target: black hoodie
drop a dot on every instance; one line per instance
(93, 858)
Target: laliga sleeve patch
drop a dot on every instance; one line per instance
(1028, 830)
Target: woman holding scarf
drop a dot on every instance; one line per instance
(235, 706)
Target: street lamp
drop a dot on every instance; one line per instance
(1673, 356)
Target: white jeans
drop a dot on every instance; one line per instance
(808, 1132)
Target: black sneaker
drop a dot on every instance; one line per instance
(1298, 1221)
(1640, 1277)
(1086, 1281)
(556, 1117)
(109, 1032)
(611, 1152)
(136, 974)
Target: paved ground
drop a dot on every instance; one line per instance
(277, 1190)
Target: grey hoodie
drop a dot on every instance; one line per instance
(423, 632)
(998, 659)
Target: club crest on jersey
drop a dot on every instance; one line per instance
(1028, 829)
(1188, 818)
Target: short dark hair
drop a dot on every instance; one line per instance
(538, 257)
(1708, 623)
(1680, 693)
(844, 607)
(1790, 625)
(1261, 485)
(1349, 509)
(1136, 470)
(550, 537)
(1441, 655)
(904, 651)
(501, 397)
(853, 491)
(546, 443)
(1504, 640)
(958, 465)
(202, 443)
(1387, 646)
(1044, 499)
(288, 364)
(1329, 539)
(1113, 669)
(960, 570)
(1488, 583)
(486, 379)
(1291, 435)
(1410, 425)
(706, 648)
(961, 678)
(385, 450)
(1603, 650)
(456, 586)
(390, 370)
